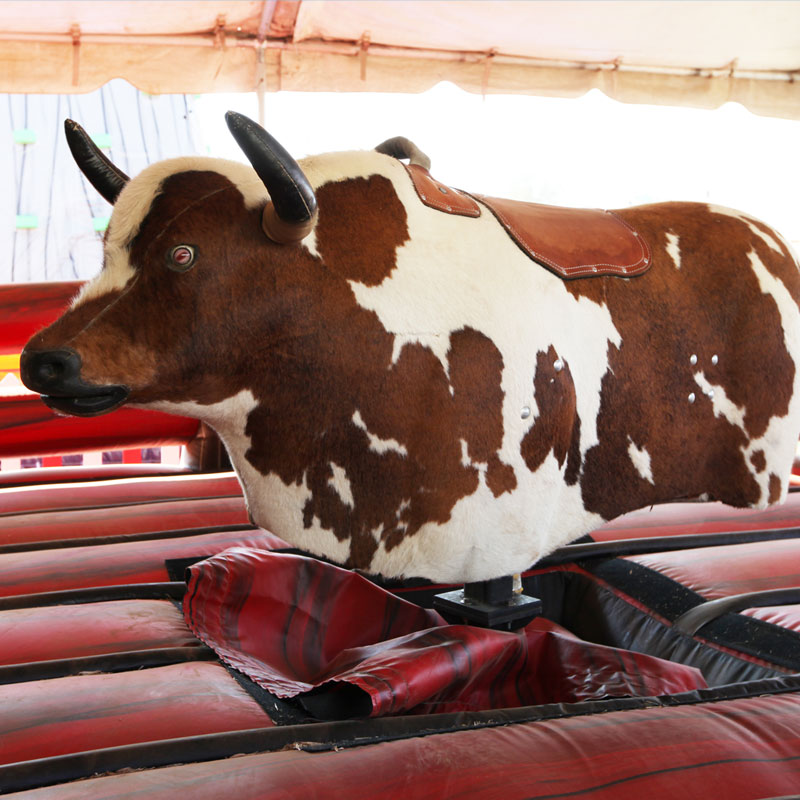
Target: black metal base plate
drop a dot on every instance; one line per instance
(516, 612)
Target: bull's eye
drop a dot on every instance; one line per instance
(181, 257)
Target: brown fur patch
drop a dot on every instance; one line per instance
(557, 425)
(476, 368)
(356, 245)
(774, 488)
(758, 460)
(712, 305)
(61, 332)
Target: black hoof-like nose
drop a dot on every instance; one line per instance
(50, 371)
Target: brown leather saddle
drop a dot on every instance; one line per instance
(571, 242)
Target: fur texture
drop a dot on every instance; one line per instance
(388, 390)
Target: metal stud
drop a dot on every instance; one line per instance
(526, 412)
(714, 359)
(558, 365)
(693, 359)
(692, 397)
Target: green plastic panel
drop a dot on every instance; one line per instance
(102, 139)
(27, 221)
(100, 223)
(24, 136)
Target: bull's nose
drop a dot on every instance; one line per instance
(50, 371)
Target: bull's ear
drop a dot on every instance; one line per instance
(101, 173)
(292, 211)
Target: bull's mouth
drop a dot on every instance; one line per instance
(56, 375)
(106, 399)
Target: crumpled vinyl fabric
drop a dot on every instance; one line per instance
(297, 626)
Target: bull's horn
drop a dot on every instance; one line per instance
(400, 147)
(101, 173)
(292, 212)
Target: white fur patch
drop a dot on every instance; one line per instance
(377, 444)
(332, 167)
(673, 249)
(641, 460)
(340, 483)
(779, 440)
(465, 459)
(114, 277)
(722, 405)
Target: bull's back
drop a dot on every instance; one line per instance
(705, 380)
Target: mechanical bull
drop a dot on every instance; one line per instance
(414, 381)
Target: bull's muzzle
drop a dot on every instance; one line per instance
(56, 375)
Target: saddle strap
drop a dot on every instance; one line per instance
(443, 198)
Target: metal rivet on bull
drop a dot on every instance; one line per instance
(526, 412)
(558, 365)
(708, 392)
(442, 190)
(714, 359)
(693, 359)
(692, 397)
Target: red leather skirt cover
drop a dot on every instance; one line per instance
(296, 625)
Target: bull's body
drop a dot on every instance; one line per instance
(388, 388)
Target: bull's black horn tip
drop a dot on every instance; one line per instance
(239, 121)
(70, 126)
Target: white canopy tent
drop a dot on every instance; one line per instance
(701, 53)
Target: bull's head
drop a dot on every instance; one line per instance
(163, 226)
